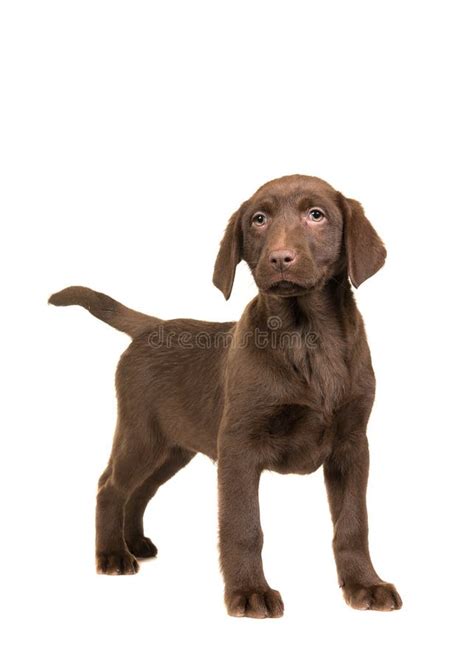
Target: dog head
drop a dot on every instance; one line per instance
(295, 233)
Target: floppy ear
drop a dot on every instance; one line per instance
(364, 249)
(229, 256)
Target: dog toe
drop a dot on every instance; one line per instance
(255, 603)
(116, 563)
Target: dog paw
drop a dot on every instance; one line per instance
(118, 563)
(255, 603)
(382, 596)
(142, 548)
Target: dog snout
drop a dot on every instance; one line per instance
(282, 259)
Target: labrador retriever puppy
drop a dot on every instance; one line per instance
(288, 388)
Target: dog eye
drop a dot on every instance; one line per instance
(259, 219)
(316, 214)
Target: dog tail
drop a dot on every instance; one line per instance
(105, 308)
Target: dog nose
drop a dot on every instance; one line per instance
(282, 259)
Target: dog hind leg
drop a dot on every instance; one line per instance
(138, 544)
(136, 453)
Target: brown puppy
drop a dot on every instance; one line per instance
(289, 387)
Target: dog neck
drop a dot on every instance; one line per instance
(307, 333)
(310, 311)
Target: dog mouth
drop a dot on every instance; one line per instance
(287, 288)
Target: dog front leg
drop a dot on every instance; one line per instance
(346, 482)
(247, 593)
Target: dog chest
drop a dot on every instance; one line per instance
(294, 438)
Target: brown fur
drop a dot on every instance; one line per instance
(289, 387)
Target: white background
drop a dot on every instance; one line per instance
(130, 131)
